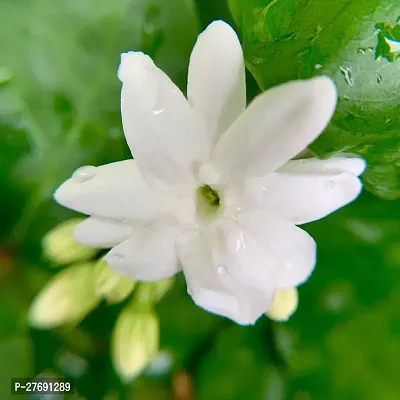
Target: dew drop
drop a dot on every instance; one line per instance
(115, 259)
(346, 97)
(329, 185)
(122, 220)
(346, 72)
(158, 111)
(222, 270)
(379, 78)
(266, 189)
(361, 51)
(318, 66)
(288, 266)
(84, 173)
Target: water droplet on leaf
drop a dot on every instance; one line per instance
(379, 78)
(318, 66)
(84, 173)
(346, 72)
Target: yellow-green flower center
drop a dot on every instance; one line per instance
(207, 202)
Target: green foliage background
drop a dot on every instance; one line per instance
(59, 109)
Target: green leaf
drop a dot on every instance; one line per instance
(347, 40)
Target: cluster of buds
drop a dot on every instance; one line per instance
(72, 293)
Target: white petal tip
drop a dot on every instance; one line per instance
(326, 88)
(360, 165)
(61, 195)
(222, 32)
(348, 162)
(134, 64)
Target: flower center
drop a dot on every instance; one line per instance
(208, 202)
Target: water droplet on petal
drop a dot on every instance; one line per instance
(329, 185)
(115, 259)
(361, 51)
(222, 270)
(122, 220)
(288, 266)
(84, 173)
(158, 111)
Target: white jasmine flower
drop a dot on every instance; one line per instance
(212, 190)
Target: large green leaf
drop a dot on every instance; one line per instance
(347, 40)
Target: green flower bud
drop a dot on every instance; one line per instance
(66, 299)
(284, 305)
(135, 341)
(60, 248)
(112, 287)
(162, 287)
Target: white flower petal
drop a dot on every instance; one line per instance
(290, 251)
(114, 190)
(234, 291)
(164, 134)
(276, 126)
(302, 197)
(216, 79)
(233, 268)
(101, 233)
(149, 254)
(335, 164)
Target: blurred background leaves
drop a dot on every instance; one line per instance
(59, 109)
